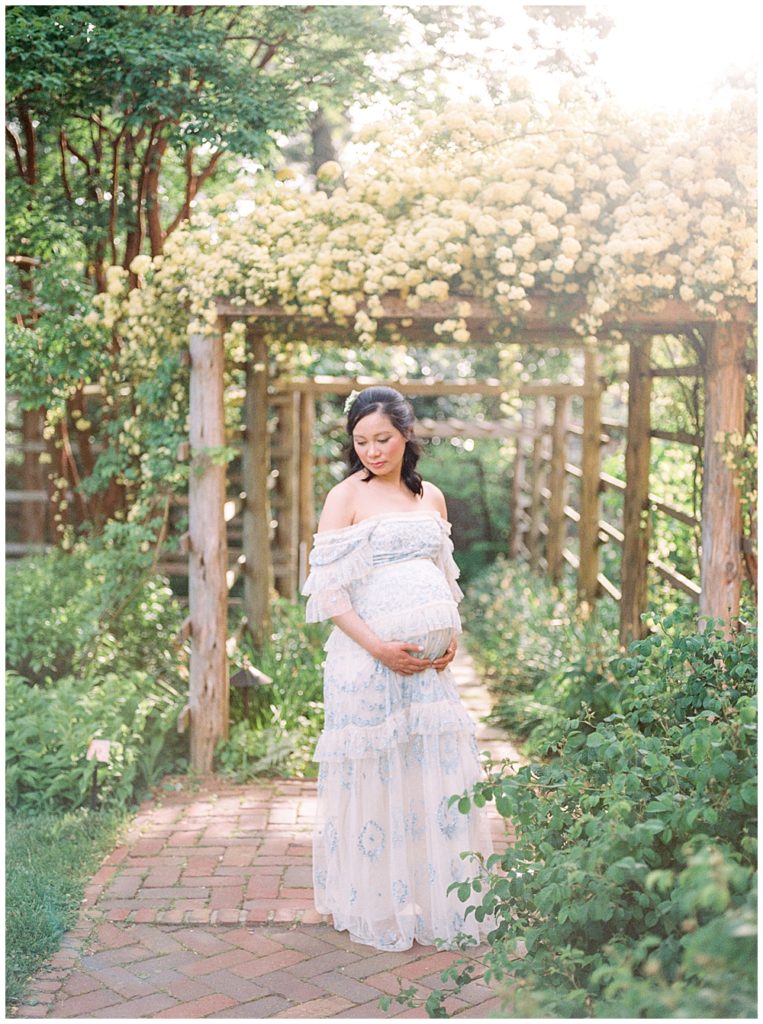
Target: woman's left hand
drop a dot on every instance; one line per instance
(445, 659)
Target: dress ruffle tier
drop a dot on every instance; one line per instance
(394, 748)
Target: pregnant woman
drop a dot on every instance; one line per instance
(397, 742)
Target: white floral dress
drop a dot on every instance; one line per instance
(394, 748)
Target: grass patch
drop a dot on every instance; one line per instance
(48, 860)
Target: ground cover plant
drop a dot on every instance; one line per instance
(48, 859)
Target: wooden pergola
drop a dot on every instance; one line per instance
(547, 323)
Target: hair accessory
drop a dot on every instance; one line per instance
(350, 399)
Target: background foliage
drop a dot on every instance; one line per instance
(91, 654)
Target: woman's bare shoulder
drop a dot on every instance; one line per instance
(434, 498)
(339, 506)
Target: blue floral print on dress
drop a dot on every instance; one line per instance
(371, 840)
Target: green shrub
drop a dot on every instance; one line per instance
(286, 716)
(90, 611)
(49, 728)
(632, 878)
(545, 658)
(92, 653)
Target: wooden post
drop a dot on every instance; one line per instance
(721, 562)
(536, 482)
(33, 513)
(306, 498)
(287, 531)
(588, 527)
(255, 469)
(557, 486)
(517, 490)
(207, 562)
(636, 526)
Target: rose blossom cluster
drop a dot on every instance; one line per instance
(491, 204)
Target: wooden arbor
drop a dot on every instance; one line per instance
(720, 572)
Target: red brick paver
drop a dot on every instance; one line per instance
(206, 910)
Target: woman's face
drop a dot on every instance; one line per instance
(379, 445)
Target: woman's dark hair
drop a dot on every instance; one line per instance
(400, 413)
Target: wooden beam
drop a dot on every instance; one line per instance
(306, 495)
(32, 477)
(323, 385)
(486, 429)
(516, 539)
(255, 473)
(536, 482)
(679, 436)
(609, 532)
(557, 485)
(695, 370)
(571, 558)
(548, 315)
(675, 578)
(633, 574)
(611, 482)
(609, 588)
(552, 388)
(721, 565)
(207, 563)
(588, 528)
(672, 511)
(286, 542)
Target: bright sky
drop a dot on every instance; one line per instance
(672, 54)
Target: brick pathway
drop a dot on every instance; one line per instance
(206, 910)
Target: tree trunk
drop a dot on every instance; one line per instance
(321, 135)
(207, 584)
(721, 566)
(636, 526)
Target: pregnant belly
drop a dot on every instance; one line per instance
(410, 602)
(434, 643)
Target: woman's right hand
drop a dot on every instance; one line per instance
(394, 654)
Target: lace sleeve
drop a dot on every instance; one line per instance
(335, 563)
(447, 563)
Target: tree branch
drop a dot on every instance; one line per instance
(64, 173)
(15, 142)
(75, 152)
(114, 191)
(193, 184)
(31, 144)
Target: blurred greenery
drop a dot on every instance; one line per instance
(285, 717)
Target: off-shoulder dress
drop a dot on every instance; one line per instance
(395, 748)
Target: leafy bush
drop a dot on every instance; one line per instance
(545, 658)
(286, 716)
(90, 638)
(632, 879)
(89, 611)
(48, 730)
